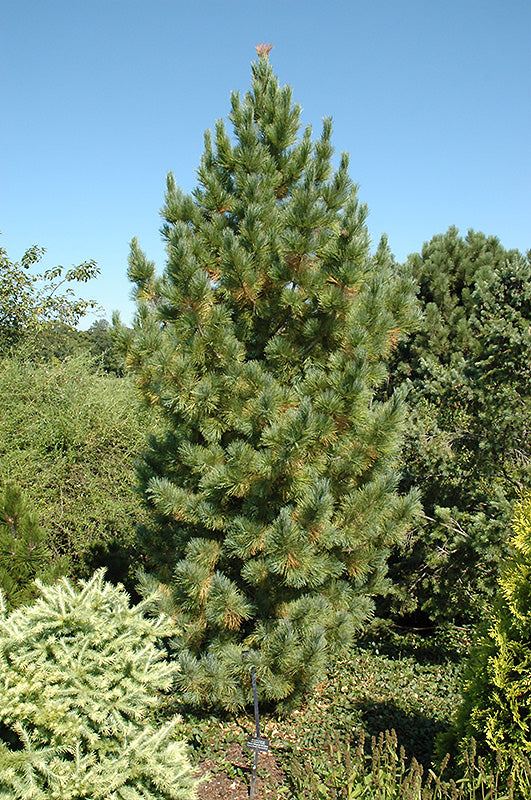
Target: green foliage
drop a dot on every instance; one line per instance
(366, 731)
(353, 771)
(413, 688)
(100, 340)
(82, 676)
(24, 552)
(468, 446)
(496, 707)
(56, 340)
(69, 435)
(416, 700)
(372, 692)
(273, 491)
(29, 300)
(434, 645)
(49, 342)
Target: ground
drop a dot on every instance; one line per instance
(409, 686)
(230, 777)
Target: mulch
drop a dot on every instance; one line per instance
(232, 778)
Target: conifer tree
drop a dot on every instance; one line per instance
(81, 678)
(263, 345)
(24, 551)
(468, 444)
(496, 707)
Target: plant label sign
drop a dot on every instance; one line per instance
(258, 744)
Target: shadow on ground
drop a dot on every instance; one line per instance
(416, 733)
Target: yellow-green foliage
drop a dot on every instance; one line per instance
(69, 436)
(81, 679)
(496, 708)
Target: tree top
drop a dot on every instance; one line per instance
(263, 49)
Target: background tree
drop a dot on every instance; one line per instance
(82, 678)
(57, 341)
(30, 300)
(101, 342)
(24, 551)
(52, 341)
(273, 490)
(468, 445)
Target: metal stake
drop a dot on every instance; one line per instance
(257, 722)
(256, 743)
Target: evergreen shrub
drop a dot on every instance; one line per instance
(273, 491)
(82, 677)
(496, 707)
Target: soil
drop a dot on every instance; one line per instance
(231, 777)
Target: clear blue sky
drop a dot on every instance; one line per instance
(101, 98)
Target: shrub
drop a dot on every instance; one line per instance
(81, 678)
(379, 770)
(468, 444)
(496, 707)
(69, 436)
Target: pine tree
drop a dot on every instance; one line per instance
(24, 551)
(263, 345)
(468, 442)
(81, 678)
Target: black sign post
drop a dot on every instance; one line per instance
(257, 742)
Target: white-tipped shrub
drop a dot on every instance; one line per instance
(81, 678)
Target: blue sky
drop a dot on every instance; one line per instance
(100, 99)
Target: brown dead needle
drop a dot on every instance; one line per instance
(263, 49)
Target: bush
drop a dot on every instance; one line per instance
(69, 436)
(82, 677)
(380, 771)
(496, 707)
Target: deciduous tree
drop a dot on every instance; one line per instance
(29, 300)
